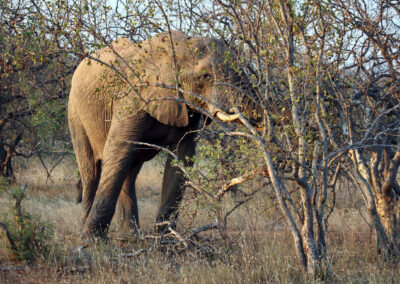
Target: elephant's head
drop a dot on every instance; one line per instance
(171, 72)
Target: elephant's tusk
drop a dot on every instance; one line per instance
(223, 116)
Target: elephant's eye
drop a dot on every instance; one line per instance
(206, 77)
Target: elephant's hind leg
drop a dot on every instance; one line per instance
(89, 168)
(117, 160)
(127, 202)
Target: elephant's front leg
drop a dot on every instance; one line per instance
(118, 156)
(173, 180)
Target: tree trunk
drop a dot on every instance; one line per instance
(388, 207)
(388, 210)
(383, 203)
(6, 169)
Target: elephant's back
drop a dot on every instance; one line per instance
(94, 73)
(90, 100)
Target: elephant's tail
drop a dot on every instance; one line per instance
(79, 190)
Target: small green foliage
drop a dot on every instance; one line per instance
(29, 233)
(3, 183)
(217, 162)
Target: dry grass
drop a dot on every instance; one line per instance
(260, 251)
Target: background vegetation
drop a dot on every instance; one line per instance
(310, 193)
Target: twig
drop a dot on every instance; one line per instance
(200, 229)
(54, 166)
(236, 181)
(10, 240)
(199, 189)
(176, 235)
(133, 254)
(156, 147)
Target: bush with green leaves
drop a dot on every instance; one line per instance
(222, 159)
(27, 235)
(223, 165)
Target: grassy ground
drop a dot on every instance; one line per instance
(259, 250)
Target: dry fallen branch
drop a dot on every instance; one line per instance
(176, 235)
(133, 254)
(200, 229)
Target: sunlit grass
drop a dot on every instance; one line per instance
(259, 250)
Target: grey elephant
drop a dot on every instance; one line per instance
(152, 92)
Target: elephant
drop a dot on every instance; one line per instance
(156, 92)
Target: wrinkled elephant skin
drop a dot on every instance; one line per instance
(126, 93)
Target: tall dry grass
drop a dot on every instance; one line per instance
(259, 249)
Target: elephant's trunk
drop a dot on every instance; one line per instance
(241, 94)
(250, 108)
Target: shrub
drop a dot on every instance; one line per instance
(27, 235)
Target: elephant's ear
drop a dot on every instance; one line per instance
(164, 107)
(155, 69)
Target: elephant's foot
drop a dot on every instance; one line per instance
(128, 218)
(128, 229)
(99, 219)
(95, 233)
(94, 229)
